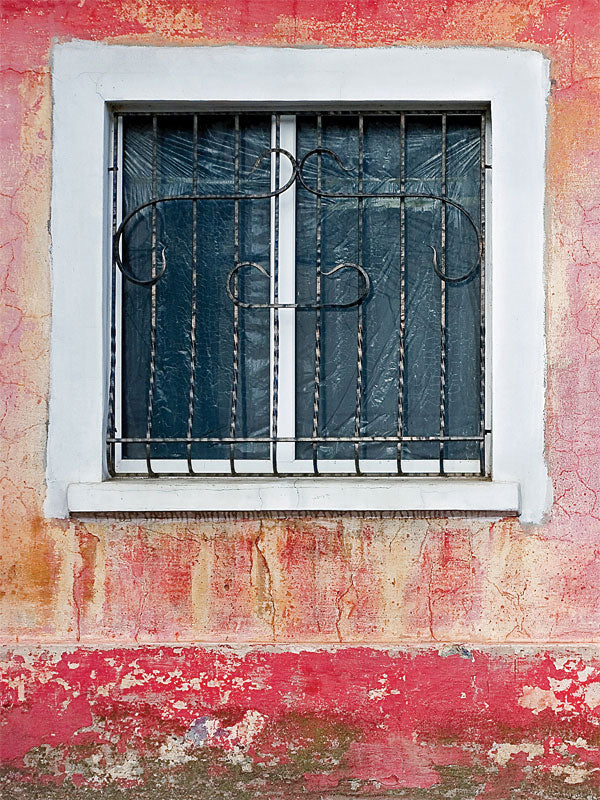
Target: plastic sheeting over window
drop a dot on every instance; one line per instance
(397, 377)
(204, 246)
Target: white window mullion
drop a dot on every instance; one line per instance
(118, 449)
(287, 294)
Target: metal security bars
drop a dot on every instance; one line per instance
(298, 293)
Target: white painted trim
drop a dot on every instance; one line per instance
(219, 466)
(88, 76)
(287, 294)
(297, 494)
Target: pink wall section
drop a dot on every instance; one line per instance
(94, 702)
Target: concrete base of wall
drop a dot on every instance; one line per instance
(271, 722)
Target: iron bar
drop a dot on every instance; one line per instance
(110, 455)
(153, 243)
(192, 394)
(482, 297)
(275, 309)
(325, 111)
(359, 309)
(251, 475)
(318, 303)
(443, 302)
(290, 439)
(402, 331)
(236, 312)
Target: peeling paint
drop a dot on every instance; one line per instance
(311, 722)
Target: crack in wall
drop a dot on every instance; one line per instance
(264, 582)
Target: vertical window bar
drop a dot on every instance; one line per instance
(443, 298)
(359, 310)
(110, 450)
(153, 243)
(192, 394)
(275, 393)
(482, 376)
(318, 211)
(401, 355)
(236, 319)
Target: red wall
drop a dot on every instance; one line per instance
(269, 722)
(284, 658)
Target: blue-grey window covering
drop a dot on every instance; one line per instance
(382, 260)
(215, 247)
(174, 174)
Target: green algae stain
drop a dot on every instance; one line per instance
(274, 766)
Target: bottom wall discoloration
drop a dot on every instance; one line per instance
(334, 723)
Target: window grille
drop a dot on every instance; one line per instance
(298, 293)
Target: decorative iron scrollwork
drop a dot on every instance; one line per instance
(299, 177)
(364, 293)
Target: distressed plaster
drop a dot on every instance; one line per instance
(285, 723)
(129, 584)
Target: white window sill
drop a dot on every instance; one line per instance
(295, 494)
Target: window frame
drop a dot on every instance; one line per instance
(283, 236)
(513, 84)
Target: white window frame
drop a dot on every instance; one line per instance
(89, 78)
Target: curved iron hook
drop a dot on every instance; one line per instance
(446, 278)
(230, 276)
(138, 281)
(118, 235)
(400, 196)
(322, 151)
(366, 290)
(282, 151)
(303, 306)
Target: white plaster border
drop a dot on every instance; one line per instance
(87, 77)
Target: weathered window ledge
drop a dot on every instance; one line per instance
(295, 494)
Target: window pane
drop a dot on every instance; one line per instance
(383, 260)
(214, 342)
(464, 300)
(338, 220)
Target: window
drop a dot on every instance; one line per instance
(299, 293)
(322, 299)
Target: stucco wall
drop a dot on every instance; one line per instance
(362, 719)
